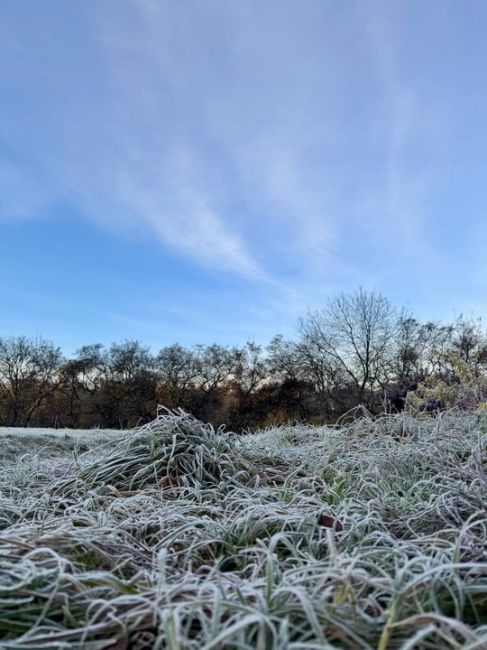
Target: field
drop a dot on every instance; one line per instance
(371, 534)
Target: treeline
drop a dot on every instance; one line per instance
(357, 350)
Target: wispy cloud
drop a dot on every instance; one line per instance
(290, 144)
(236, 182)
(115, 149)
(413, 137)
(218, 130)
(173, 199)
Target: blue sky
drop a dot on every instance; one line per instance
(207, 170)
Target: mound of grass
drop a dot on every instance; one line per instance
(175, 450)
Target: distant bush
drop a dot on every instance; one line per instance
(463, 388)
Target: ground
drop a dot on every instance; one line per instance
(370, 534)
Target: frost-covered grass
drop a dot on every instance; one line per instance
(50, 442)
(370, 535)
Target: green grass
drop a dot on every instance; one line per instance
(368, 535)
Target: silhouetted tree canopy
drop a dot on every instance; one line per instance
(357, 349)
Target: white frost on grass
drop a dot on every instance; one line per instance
(29, 432)
(372, 535)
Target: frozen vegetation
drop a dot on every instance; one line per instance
(371, 534)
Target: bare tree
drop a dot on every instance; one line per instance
(438, 348)
(250, 367)
(215, 366)
(129, 393)
(92, 366)
(410, 344)
(320, 369)
(177, 371)
(470, 343)
(129, 360)
(287, 369)
(81, 379)
(176, 366)
(356, 330)
(242, 406)
(28, 375)
(285, 361)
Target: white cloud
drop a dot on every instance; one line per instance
(245, 114)
(242, 135)
(113, 146)
(176, 204)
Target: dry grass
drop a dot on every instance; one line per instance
(371, 535)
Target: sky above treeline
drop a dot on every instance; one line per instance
(207, 170)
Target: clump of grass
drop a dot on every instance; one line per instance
(175, 450)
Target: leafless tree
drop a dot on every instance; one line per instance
(356, 331)
(28, 375)
(411, 342)
(91, 365)
(285, 360)
(470, 343)
(287, 369)
(250, 367)
(128, 360)
(320, 369)
(176, 367)
(215, 365)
